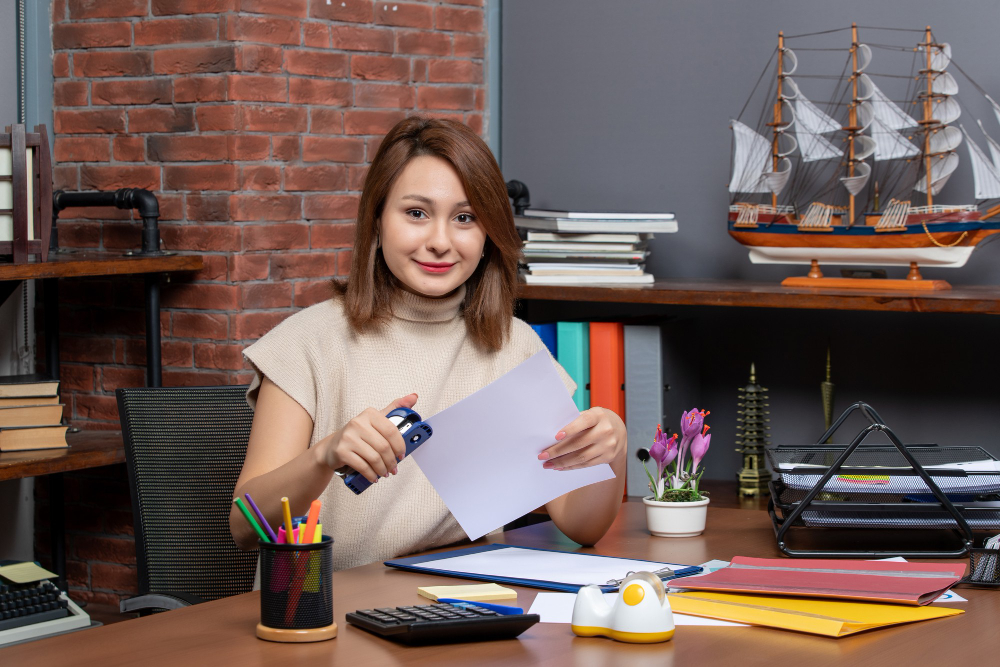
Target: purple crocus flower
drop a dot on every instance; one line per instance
(663, 451)
(691, 422)
(699, 447)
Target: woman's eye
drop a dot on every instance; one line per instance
(415, 213)
(465, 218)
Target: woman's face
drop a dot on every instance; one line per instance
(431, 238)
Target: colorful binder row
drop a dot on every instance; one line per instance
(593, 353)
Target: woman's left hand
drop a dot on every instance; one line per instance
(596, 436)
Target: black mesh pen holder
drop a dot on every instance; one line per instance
(296, 593)
(984, 568)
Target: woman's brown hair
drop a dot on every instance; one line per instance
(490, 291)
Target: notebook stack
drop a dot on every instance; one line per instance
(30, 413)
(573, 248)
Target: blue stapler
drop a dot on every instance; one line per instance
(414, 431)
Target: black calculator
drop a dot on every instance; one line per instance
(441, 623)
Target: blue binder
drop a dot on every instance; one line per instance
(419, 564)
(547, 332)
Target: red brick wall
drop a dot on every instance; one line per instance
(253, 122)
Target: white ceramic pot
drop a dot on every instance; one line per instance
(666, 519)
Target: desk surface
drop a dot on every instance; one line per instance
(79, 264)
(975, 299)
(88, 449)
(222, 632)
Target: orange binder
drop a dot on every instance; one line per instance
(607, 366)
(607, 369)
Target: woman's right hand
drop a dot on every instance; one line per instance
(369, 443)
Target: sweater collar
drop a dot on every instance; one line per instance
(416, 308)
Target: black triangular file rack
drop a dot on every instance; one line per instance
(866, 486)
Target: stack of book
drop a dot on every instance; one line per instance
(30, 413)
(571, 248)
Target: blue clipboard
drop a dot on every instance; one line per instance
(416, 564)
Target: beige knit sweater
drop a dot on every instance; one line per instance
(314, 357)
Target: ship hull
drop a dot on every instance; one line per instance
(941, 244)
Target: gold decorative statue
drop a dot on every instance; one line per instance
(751, 436)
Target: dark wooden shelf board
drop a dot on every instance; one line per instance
(83, 264)
(87, 449)
(735, 293)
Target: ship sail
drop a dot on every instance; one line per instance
(996, 107)
(984, 173)
(994, 146)
(941, 158)
(810, 124)
(883, 118)
(857, 183)
(752, 152)
(942, 167)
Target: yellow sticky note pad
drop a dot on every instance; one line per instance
(470, 592)
(25, 573)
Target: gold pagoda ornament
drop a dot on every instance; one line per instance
(751, 436)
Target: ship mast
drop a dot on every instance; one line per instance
(928, 121)
(775, 158)
(852, 122)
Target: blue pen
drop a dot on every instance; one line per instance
(503, 610)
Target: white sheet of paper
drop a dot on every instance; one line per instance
(559, 567)
(483, 457)
(558, 608)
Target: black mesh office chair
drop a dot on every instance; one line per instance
(184, 449)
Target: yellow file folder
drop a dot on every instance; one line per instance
(833, 618)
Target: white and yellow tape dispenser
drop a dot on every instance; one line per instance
(640, 614)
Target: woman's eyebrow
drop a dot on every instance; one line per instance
(420, 198)
(428, 200)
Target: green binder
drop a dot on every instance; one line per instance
(573, 354)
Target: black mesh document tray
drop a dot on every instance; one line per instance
(883, 486)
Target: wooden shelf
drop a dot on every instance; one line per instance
(74, 264)
(736, 293)
(87, 449)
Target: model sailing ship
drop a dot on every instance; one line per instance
(824, 204)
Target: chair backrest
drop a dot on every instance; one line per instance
(184, 449)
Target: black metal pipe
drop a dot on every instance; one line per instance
(518, 191)
(154, 366)
(141, 200)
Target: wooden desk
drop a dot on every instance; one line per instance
(222, 632)
(87, 449)
(976, 299)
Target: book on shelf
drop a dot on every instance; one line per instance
(595, 215)
(614, 256)
(595, 270)
(23, 438)
(588, 238)
(30, 385)
(30, 415)
(643, 279)
(28, 400)
(591, 247)
(579, 225)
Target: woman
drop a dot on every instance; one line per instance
(424, 320)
